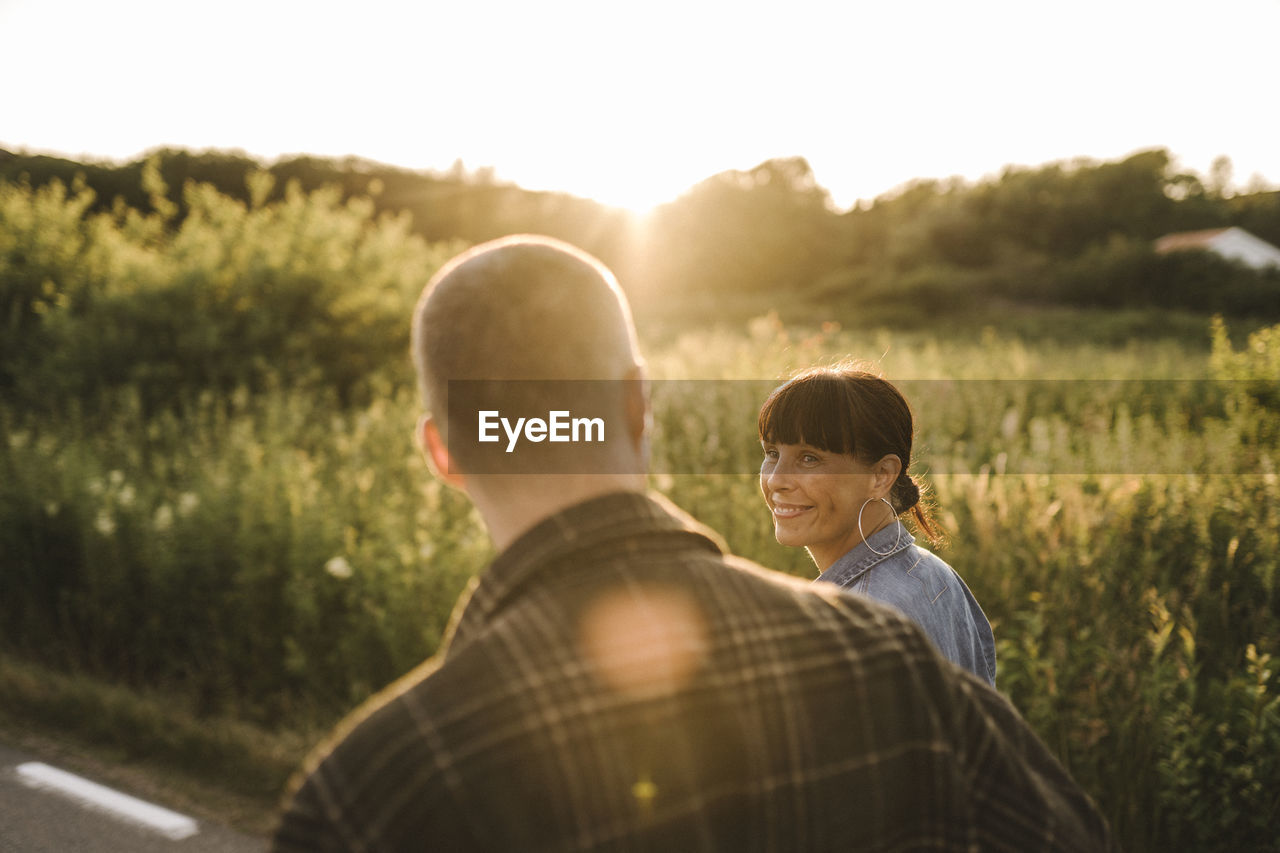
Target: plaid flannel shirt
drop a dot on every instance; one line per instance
(615, 682)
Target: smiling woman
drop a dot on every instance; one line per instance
(837, 445)
(855, 430)
(815, 495)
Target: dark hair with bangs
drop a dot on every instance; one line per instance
(847, 409)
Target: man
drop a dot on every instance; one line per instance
(614, 681)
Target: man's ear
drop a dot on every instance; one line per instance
(638, 412)
(437, 453)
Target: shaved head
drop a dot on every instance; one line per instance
(520, 308)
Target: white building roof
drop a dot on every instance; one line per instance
(1232, 243)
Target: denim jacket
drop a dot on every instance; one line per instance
(924, 588)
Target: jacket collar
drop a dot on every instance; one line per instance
(888, 541)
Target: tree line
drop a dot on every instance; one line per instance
(1076, 233)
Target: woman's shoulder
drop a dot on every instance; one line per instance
(910, 573)
(916, 558)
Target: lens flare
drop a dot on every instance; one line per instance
(644, 641)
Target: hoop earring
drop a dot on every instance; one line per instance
(864, 536)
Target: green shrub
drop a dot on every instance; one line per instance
(1217, 779)
(306, 290)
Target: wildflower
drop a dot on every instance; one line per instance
(338, 567)
(51, 508)
(126, 495)
(187, 503)
(1009, 423)
(163, 519)
(104, 523)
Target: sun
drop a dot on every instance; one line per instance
(621, 179)
(638, 193)
(639, 197)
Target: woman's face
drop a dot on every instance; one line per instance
(814, 496)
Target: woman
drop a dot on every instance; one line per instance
(837, 446)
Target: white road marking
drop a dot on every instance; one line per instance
(168, 823)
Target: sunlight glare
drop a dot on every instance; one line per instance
(635, 187)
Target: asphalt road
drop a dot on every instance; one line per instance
(43, 810)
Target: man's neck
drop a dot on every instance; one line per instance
(513, 504)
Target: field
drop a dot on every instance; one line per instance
(208, 581)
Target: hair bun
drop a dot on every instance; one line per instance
(907, 492)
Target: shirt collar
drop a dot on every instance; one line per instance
(888, 540)
(590, 526)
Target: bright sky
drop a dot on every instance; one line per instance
(634, 102)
